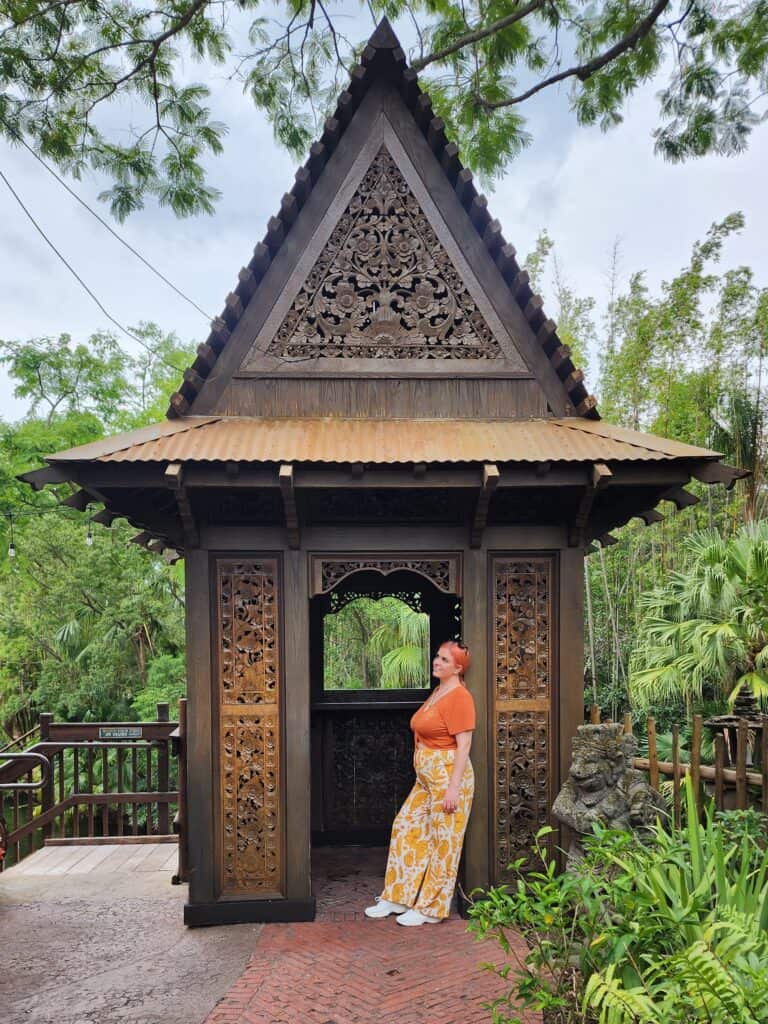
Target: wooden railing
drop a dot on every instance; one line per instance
(736, 779)
(109, 782)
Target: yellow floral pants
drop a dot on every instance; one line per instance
(426, 841)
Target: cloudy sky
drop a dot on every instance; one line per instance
(587, 188)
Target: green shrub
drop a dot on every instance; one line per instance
(671, 930)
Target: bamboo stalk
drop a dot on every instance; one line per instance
(594, 715)
(627, 723)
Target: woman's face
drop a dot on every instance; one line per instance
(443, 665)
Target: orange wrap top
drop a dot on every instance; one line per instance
(436, 727)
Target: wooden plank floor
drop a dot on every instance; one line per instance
(117, 858)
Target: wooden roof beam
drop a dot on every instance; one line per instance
(285, 478)
(680, 497)
(38, 478)
(490, 482)
(600, 477)
(174, 476)
(715, 472)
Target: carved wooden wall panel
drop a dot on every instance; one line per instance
(384, 286)
(249, 726)
(523, 700)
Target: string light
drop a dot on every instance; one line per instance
(11, 545)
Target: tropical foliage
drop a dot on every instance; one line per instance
(64, 65)
(705, 628)
(672, 928)
(376, 644)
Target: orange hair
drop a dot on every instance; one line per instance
(459, 653)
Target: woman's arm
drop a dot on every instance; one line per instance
(451, 798)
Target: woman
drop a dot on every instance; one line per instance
(428, 832)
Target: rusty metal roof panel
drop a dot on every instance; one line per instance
(336, 440)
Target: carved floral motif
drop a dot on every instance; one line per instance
(248, 650)
(436, 570)
(522, 673)
(384, 286)
(251, 803)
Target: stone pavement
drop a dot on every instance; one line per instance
(107, 947)
(110, 947)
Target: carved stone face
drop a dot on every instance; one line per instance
(601, 755)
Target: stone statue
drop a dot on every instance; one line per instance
(603, 786)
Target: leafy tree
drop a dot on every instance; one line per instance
(87, 632)
(63, 63)
(705, 629)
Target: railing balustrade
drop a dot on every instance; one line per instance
(106, 782)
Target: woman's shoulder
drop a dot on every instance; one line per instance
(461, 695)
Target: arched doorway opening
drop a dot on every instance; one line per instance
(372, 639)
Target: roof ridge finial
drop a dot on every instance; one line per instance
(384, 37)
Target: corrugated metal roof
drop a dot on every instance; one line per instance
(334, 440)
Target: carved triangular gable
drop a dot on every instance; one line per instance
(384, 286)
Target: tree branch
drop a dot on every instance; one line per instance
(585, 71)
(477, 34)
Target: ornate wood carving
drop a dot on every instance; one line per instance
(368, 768)
(437, 570)
(249, 716)
(522, 667)
(384, 286)
(249, 652)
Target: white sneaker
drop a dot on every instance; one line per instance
(413, 917)
(383, 908)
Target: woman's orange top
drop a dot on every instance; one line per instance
(436, 727)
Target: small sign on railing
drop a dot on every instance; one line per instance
(120, 732)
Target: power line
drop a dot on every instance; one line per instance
(111, 230)
(82, 283)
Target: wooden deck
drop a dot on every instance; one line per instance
(102, 858)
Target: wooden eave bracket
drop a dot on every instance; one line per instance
(79, 500)
(679, 497)
(38, 478)
(718, 473)
(287, 490)
(174, 477)
(491, 477)
(600, 476)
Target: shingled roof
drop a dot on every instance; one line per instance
(384, 57)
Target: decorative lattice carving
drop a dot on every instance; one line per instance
(436, 570)
(250, 803)
(369, 773)
(249, 715)
(248, 610)
(384, 286)
(522, 783)
(522, 666)
(522, 634)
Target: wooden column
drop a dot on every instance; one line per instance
(200, 770)
(297, 725)
(475, 635)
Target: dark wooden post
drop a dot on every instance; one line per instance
(719, 767)
(181, 824)
(47, 793)
(163, 819)
(741, 764)
(653, 760)
(696, 761)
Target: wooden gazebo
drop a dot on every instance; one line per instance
(383, 407)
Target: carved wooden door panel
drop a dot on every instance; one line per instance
(523, 699)
(250, 696)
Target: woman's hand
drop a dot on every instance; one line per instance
(451, 799)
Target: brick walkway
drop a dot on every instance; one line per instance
(346, 969)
